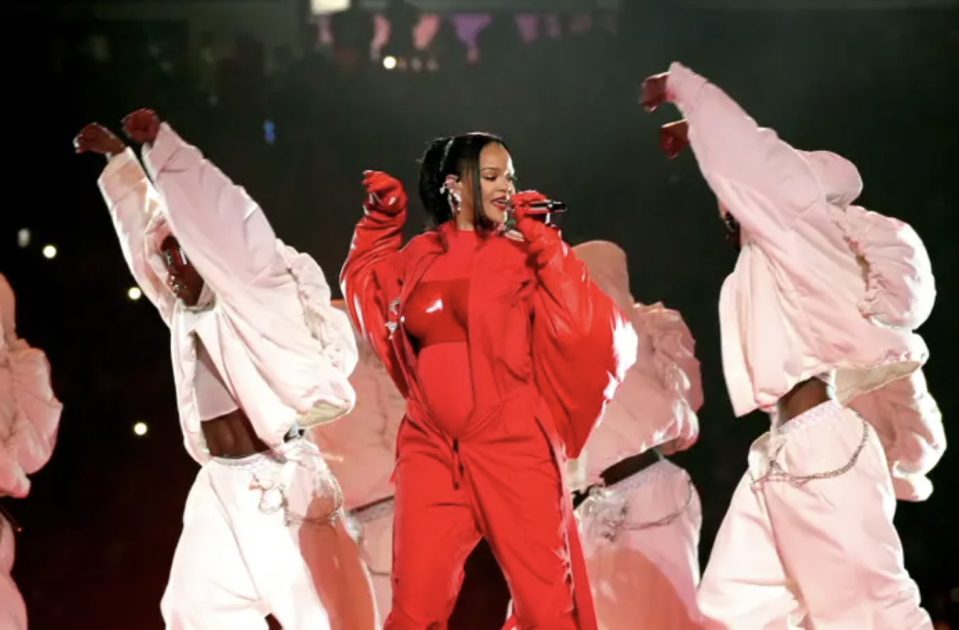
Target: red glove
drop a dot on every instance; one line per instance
(142, 126)
(96, 138)
(385, 193)
(542, 238)
(520, 204)
(674, 137)
(654, 91)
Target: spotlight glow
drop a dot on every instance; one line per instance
(134, 293)
(49, 251)
(389, 62)
(140, 428)
(23, 237)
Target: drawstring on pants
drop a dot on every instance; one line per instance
(457, 465)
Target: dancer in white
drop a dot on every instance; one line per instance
(259, 355)
(640, 515)
(820, 309)
(29, 419)
(362, 453)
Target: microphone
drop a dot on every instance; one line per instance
(547, 206)
(542, 211)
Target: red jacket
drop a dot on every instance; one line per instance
(535, 318)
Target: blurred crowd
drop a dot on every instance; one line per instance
(298, 129)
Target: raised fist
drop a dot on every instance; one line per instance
(142, 126)
(654, 91)
(674, 137)
(385, 192)
(96, 138)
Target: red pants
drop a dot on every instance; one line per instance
(501, 481)
(483, 601)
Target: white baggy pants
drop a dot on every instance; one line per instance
(641, 541)
(13, 613)
(819, 554)
(238, 558)
(375, 537)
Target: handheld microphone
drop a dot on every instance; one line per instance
(542, 211)
(547, 206)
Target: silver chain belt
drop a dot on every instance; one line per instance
(273, 496)
(597, 506)
(775, 471)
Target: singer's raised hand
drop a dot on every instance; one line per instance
(674, 137)
(544, 241)
(384, 192)
(537, 233)
(521, 203)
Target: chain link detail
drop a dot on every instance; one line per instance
(775, 471)
(599, 497)
(273, 499)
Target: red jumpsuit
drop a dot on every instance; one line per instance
(489, 423)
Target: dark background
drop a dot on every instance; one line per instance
(879, 87)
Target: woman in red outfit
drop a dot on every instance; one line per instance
(506, 354)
